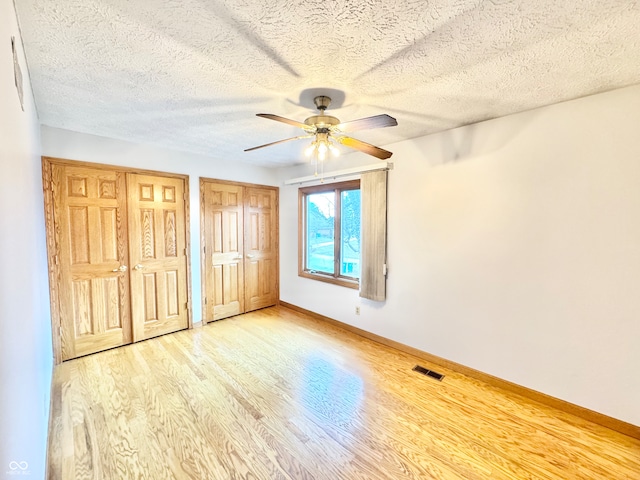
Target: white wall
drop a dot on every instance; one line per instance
(514, 249)
(25, 332)
(90, 148)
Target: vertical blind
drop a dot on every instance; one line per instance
(373, 253)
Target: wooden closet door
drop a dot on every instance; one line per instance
(158, 255)
(261, 248)
(240, 247)
(89, 218)
(223, 255)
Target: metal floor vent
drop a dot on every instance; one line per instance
(428, 373)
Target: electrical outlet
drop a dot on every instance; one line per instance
(357, 310)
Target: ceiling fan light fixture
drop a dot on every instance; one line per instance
(321, 147)
(309, 150)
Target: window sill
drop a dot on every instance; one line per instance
(343, 282)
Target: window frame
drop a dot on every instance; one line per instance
(336, 278)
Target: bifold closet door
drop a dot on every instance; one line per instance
(117, 256)
(240, 266)
(92, 259)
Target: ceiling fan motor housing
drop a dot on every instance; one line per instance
(322, 121)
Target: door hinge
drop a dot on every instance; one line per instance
(205, 300)
(56, 260)
(187, 305)
(204, 250)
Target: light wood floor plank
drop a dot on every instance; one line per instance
(275, 394)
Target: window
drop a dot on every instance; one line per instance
(329, 233)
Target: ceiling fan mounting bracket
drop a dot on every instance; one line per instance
(322, 102)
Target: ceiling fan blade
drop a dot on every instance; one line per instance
(278, 118)
(365, 147)
(377, 121)
(279, 141)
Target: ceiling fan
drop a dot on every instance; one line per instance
(327, 129)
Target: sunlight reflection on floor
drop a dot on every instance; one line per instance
(331, 393)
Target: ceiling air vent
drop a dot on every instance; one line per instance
(428, 373)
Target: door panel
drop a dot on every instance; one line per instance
(157, 249)
(224, 269)
(89, 210)
(261, 280)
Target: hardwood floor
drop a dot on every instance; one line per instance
(274, 394)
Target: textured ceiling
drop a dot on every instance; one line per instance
(191, 74)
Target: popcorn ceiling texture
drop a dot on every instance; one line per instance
(191, 74)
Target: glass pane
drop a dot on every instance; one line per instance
(350, 233)
(320, 232)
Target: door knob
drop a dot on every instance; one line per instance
(237, 258)
(249, 255)
(138, 266)
(121, 268)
